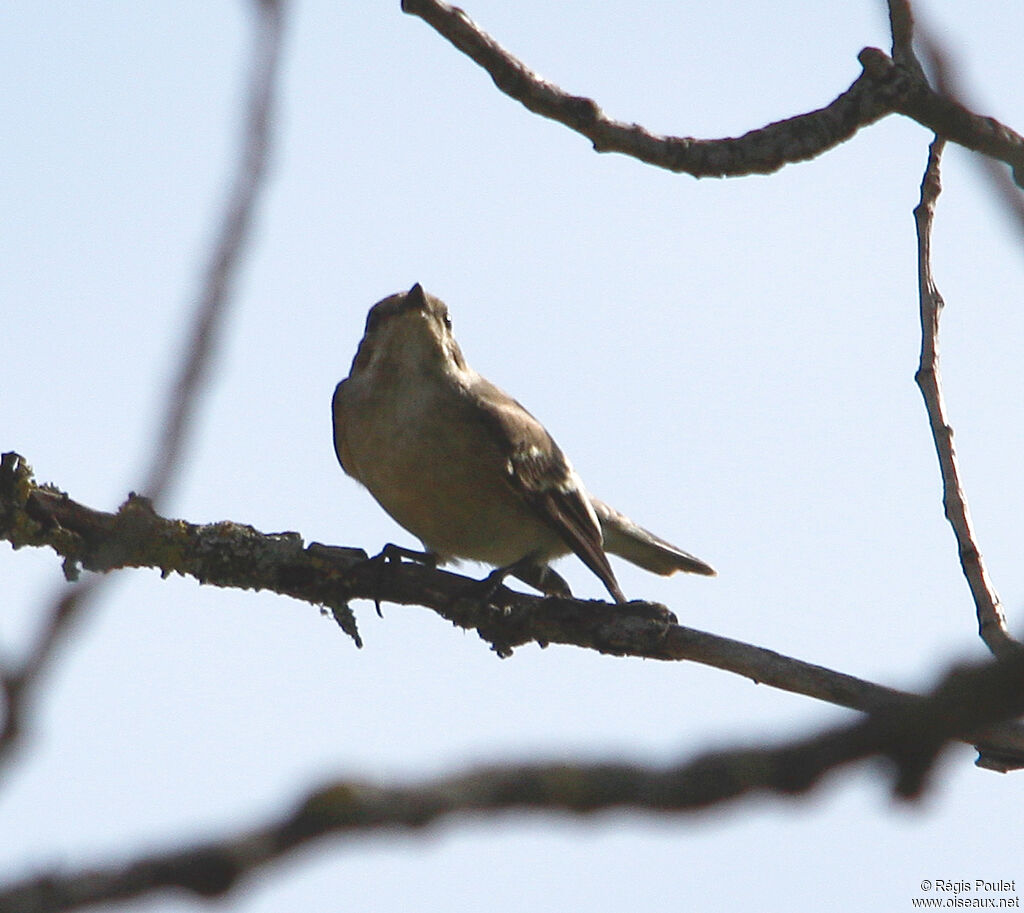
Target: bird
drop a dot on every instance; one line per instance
(466, 468)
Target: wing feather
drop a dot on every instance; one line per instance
(543, 476)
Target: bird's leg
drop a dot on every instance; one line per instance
(395, 553)
(539, 576)
(392, 552)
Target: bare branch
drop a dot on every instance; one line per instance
(910, 736)
(943, 115)
(1007, 188)
(757, 152)
(991, 621)
(226, 255)
(883, 88)
(18, 683)
(231, 555)
(901, 23)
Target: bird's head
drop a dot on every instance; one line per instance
(409, 332)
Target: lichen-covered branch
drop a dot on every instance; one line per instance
(234, 555)
(884, 87)
(909, 736)
(222, 554)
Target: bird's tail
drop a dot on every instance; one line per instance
(624, 538)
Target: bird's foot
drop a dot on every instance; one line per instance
(397, 553)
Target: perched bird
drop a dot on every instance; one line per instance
(464, 467)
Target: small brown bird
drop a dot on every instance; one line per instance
(464, 467)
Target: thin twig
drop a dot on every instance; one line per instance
(991, 622)
(226, 255)
(910, 737)
(19, 681)
(901, 23)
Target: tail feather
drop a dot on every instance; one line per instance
(626, 539)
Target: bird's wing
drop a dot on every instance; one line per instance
(541, 474)
(339, 426)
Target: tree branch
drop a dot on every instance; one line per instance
(910, 736)
(883, 88)
(232, 555)
(991, 621)
(18, 682)
(757, 152)
(1007, 187)
(226, 254)
(943, 115)
(901, 24)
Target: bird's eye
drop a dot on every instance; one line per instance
(446, 318)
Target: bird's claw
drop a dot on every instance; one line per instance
(397, 553)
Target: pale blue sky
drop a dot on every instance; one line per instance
(731, 362)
